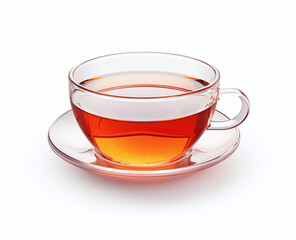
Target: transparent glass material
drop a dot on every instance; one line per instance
(68, 142)
(167, 92)
(142, 104)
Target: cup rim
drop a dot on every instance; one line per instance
(203, 89)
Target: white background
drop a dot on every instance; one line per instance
(251, 194)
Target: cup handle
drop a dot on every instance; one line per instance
(239, 118)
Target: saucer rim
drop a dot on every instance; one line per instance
(175, 171)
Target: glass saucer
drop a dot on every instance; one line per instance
(68, 142)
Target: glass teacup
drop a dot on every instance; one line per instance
(145, 109)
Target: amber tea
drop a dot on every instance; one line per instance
(138, 139)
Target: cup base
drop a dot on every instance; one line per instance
(183, 161)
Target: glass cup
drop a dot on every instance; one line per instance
(146, 110)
